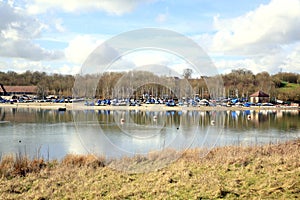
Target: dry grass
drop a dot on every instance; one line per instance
(82, 160)
(262, 172)
(19, 165)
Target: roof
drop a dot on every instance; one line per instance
(20, 89)
(259, 94)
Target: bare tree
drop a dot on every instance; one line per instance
(187, 73)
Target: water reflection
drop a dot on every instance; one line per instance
(118, 133)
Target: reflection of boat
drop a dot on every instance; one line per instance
(62, 109)
(122, 103)
(234, 114)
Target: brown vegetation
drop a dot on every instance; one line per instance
(262, 172)
(239, 82)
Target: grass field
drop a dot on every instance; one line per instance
(289, 86)
(289, 92)
(263, 172)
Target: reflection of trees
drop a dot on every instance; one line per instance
(288, 120)
(21, 115)
(2, 115)
(262, 120)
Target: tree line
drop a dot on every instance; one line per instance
(238, 83)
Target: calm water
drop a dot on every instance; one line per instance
(53, 134)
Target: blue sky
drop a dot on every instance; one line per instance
(57, 36)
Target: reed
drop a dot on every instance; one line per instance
(71, 160)
(270, 171)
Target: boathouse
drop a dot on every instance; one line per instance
(18, 90)
(259, 97)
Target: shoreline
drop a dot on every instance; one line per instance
(143, 107)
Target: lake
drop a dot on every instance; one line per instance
(52, 134)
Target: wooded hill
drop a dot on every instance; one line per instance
(241, 82)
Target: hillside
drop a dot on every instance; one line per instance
(289, 91)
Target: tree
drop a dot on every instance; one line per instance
(187, 73)
(42, 89)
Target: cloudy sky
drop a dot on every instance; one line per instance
(57, 36)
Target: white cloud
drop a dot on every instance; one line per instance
(67, 69)
(58, 23)
(291, 63)
(17, 31)
(21, 65)
(148, 57)
(26, 49)
(15, 24)
(162, 17)
(225, 66)
(116, 7)
(259, 31)
(164, 62)
(272, 63)
(80, 47)
(204, 41)
(265, 39)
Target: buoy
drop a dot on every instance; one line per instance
(122, 120)
(248, 117)
(212, 122)
(154, 117)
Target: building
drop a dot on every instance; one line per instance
(18, 90)
(259, 97)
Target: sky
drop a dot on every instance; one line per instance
(57, 36)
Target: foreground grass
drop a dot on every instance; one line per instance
(264, 172)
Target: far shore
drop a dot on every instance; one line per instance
(143, 107)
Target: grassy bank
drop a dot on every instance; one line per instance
(270, 171)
